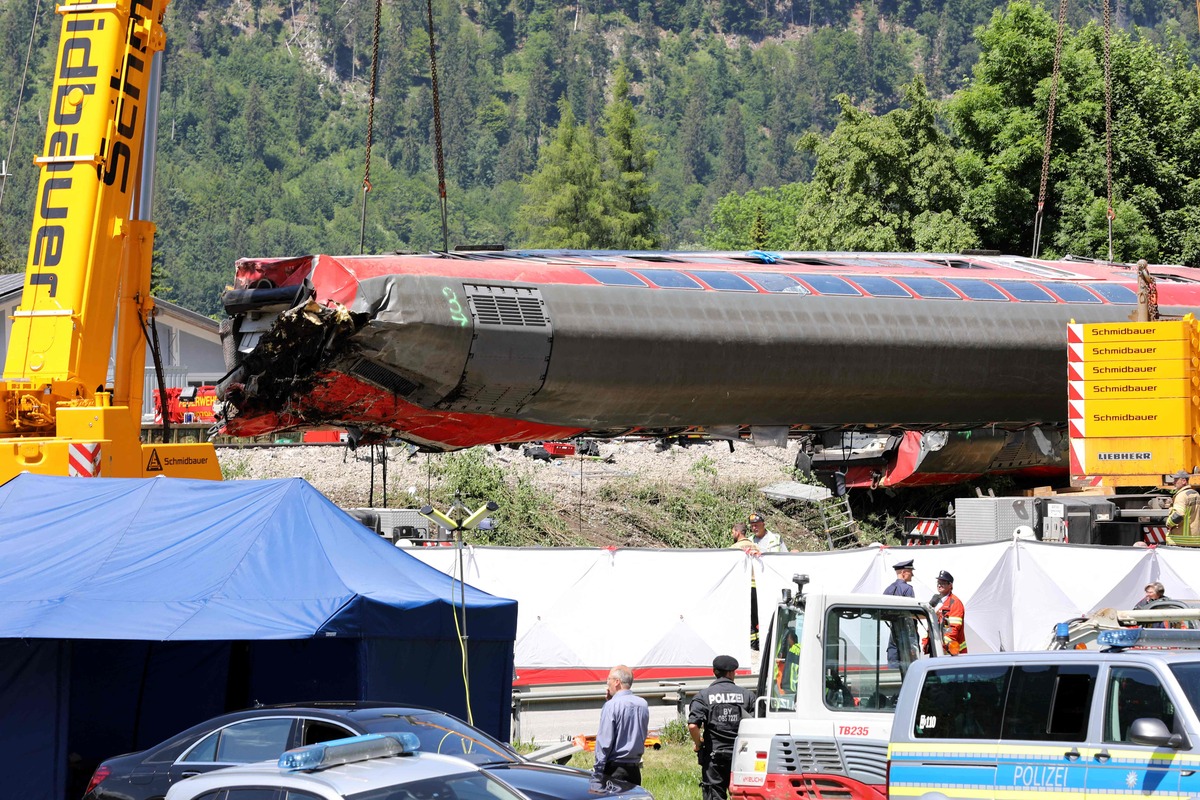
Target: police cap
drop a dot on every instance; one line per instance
(899, 565)
(725, 664)
(945, 576)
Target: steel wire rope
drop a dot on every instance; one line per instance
(20, 95)
(1112, 215)
(366, 184)
(1053, 101)
(437, 128)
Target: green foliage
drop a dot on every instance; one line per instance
(671, 773)
(675, 731)
(628, 163)
(264, 114)
(526, 515)
(761, 219)
(881, 183)
(235, 468)
(564, 206)
(1001, 116)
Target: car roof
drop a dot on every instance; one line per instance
(1180, 656)
(343, 779)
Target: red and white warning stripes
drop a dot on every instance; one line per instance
(83, 459)
(926, 531)
(1154, 534)
(1076, 419)
(1075, 413)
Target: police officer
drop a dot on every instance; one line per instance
(901, 587)
(718, 709)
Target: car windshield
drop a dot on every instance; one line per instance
(441, 733)
(464, 786)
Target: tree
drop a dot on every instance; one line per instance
(761, 219)
(9, 261)
(628, 163)
(564, 205)
(1001, 117)
(731, 172)
(885, 183)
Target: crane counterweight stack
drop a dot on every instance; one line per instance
(1134, 405)
(87, 279)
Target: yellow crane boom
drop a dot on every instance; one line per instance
(87, 278)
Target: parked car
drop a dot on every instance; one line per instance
(372, 767)
(264, 733)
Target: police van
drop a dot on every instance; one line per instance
(1121, 722)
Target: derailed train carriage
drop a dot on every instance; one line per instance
(952, 365)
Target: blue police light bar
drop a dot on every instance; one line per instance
(348, 750)
(1150, 637)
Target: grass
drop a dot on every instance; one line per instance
(670, 773)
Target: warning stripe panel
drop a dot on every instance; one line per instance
(83, 459)
(1154, 534)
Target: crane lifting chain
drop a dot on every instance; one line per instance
(1108, 170)
(1051, 107)
(437, 127)
(1053, 101)
(366, 184)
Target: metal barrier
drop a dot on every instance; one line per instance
(581, 696)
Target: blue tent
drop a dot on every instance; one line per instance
(130, 609)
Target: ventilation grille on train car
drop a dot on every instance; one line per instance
(508, 306)
(382, 376)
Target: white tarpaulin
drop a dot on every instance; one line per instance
(592, 608)
(585, 608)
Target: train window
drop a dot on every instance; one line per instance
(774, 282)
(931, 289)
(881, 287)
(1026, 292)
(1115, 294)
(976, 289)
(725, 281)
(610, 276)
(669, 279)
(829, 284)
(1071, 293)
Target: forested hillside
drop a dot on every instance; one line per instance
(823, 124)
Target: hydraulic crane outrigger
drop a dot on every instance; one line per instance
(88, 270)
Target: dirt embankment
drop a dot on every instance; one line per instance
(575, 487)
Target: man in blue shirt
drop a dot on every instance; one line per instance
(621, 738)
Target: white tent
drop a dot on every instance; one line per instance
(583, 610)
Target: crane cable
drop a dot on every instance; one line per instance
(437, 127)
(1112, 215)
(366, 183)
(1053, 101)
(21, 93)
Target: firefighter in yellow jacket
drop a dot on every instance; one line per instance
(1184, 517)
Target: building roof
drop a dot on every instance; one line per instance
(11, 285)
